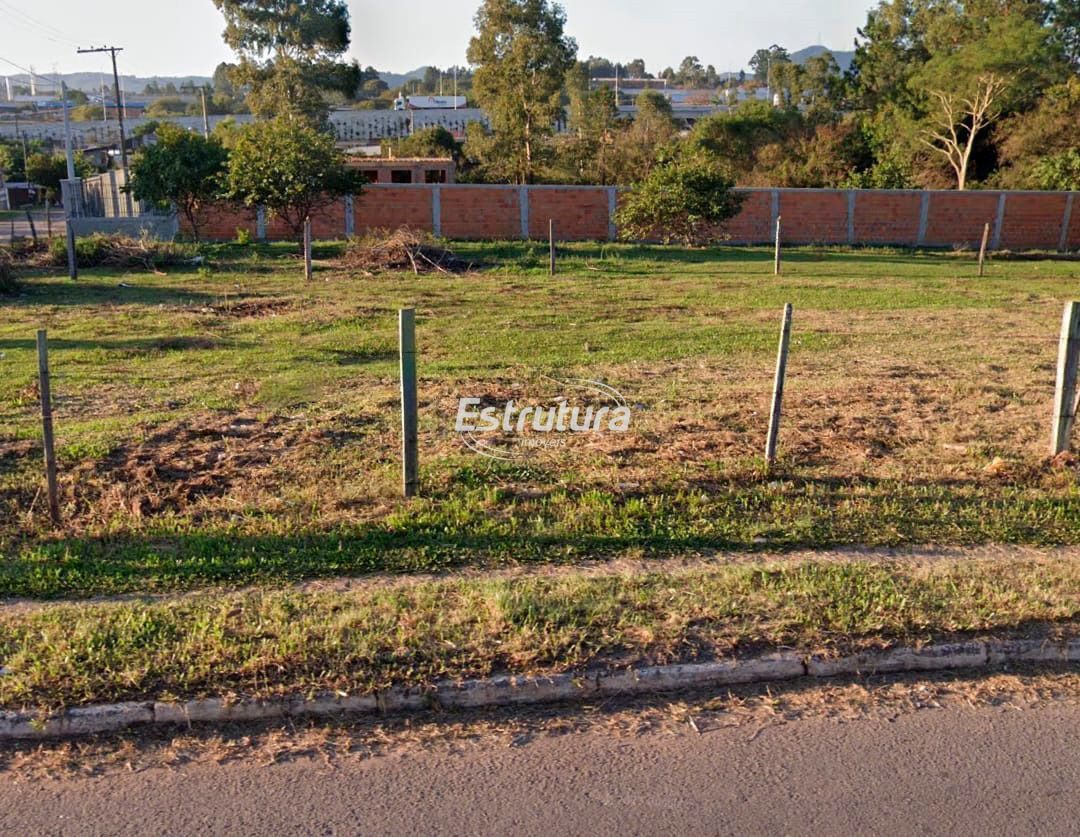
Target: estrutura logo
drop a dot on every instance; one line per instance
(518, 427)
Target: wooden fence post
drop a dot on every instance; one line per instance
(410, 457)
(48, 219)
(72, 254)
(1065, 393)
(45, 390)
(778, 387)
(982, 250)
(551, 245)
(307, 249)
(776, 260)
(33, 228)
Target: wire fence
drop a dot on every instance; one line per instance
(121, 399)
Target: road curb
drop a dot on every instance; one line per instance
(510, 690)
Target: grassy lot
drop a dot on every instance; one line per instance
(270, 643)
(229, 425)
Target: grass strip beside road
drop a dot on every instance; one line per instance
(481, 527)
(266, 643)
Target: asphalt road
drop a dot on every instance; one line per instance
(977, 771)
(21, 226)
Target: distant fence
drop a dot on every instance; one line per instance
(1018, 220)
(102, 204)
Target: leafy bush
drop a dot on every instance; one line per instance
(290, 168)
(1059, 171)
(182, 169)
(685, 199)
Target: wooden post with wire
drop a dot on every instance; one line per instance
(778, 387)
(982, 250)
(410, 456)
(776, 260)
(45, 391)
(1065, 400)
(551, 246)
(307, 250)
(48, 219)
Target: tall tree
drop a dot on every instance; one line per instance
(290, 168)
(290, 54)
(763, 59)
(181, 169)
(969, 87)
(521, 54)
(1064, 18)
(637, 149)
(593, 120)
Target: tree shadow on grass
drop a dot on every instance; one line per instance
(133, 346)
(118, 292)
(159, 560)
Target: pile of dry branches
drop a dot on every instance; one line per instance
(401, 251)
(121, 251)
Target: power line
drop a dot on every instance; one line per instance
(112, 50)
(50, 79)
(44, 29)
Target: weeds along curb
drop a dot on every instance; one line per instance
(520, 691)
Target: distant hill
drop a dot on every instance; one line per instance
(396, 80)
(844, 59)
(91, 82)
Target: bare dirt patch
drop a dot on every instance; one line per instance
(250, 308)
(176, 466)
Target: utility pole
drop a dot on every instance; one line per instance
(119, 105)
(768, 72)
(205, 118)
(22, 138)
(67, 136)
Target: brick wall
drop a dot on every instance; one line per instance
(957, 219)
(390, 207)
(220, 223)
(1030, 219)
(485, 212)
(887, 217)
(755, 222)
(1018, 220)
(578, 215)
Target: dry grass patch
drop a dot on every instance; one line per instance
(264, 643)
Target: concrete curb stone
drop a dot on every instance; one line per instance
(929, 658)
(1027, 651)
(510, 690)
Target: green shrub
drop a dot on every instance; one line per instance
(687, 199)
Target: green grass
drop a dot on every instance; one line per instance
(269, 643)
(917, 411)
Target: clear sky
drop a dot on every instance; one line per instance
(182, 37)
